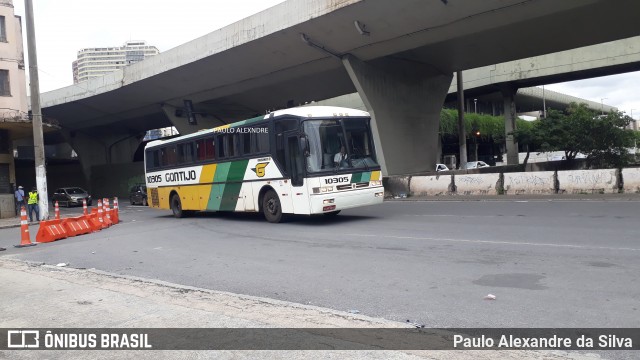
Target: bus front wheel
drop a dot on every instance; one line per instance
(176, 206)
(271, 207)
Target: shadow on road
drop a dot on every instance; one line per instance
(317, 220)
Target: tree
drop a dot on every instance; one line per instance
(607, 142)
(603, 138)
(527, 135)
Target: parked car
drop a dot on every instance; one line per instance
(69, 196)
(475, 165)
(441, 167)
(138, 195)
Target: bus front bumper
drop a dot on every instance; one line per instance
(326, 203)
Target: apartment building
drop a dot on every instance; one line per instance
(95, 62)
(14, 122)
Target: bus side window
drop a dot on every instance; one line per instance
(246, 143)
(205, 149)
(164, 156)
(220, 147)
(210, 149)
(172, 156)
(185, 153)
(260, 141)
(234, 144)
(153, 159)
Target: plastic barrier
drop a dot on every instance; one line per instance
(25, 238)
(95, 221)
(51, 230)
(77, 225)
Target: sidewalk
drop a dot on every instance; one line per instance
(36, 295)
(15, 221)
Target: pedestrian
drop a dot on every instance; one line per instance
(19, 199)
(32, 203)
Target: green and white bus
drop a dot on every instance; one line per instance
(306, 160)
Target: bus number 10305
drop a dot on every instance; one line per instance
(337, 180)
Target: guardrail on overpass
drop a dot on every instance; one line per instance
(605, 181)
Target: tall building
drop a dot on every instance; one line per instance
(14, 122)
(95, 62)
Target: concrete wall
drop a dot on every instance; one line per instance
(58, 175)
(477, 184)
(516, 183)
(631, 179)
(105, 184)
(431, 185)
(7, 206)
(396, 185)
(587, 181)
(529, 183)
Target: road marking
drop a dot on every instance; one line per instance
(496, 242)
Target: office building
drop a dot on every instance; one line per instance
(95, 62)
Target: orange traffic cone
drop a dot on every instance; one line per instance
(106, 212)
(102, 222)
(107, 209)
(57, 211)
(84, 207)
(116, 214)
(24, 230)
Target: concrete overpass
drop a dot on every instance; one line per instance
(394, 54)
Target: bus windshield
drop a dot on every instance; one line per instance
(339, 144)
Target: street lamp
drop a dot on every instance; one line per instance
(475, 106)
(602, 104)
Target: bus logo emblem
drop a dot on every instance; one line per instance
(260, 169)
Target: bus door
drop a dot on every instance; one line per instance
(294, 164)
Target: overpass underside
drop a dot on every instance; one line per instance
(400, 59)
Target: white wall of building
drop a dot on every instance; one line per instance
(13, 99)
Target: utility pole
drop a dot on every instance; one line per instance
(462, 135)
(38, 138)
(544, 104)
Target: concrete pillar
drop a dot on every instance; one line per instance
(404, 99)
(91, 151)
(108, 149)
(509, 96)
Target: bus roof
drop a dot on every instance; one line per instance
(302, 111)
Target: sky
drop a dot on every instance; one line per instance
(64, 27)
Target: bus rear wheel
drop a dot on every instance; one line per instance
(176, 206)
(271, 207)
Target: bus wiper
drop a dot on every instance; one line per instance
(361, 155)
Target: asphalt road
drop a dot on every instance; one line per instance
(549, 263)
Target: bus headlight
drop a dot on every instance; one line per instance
(328, 201)
(375, 183)
(323, 189)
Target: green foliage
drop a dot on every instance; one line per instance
(581, 130)
(490, 127)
